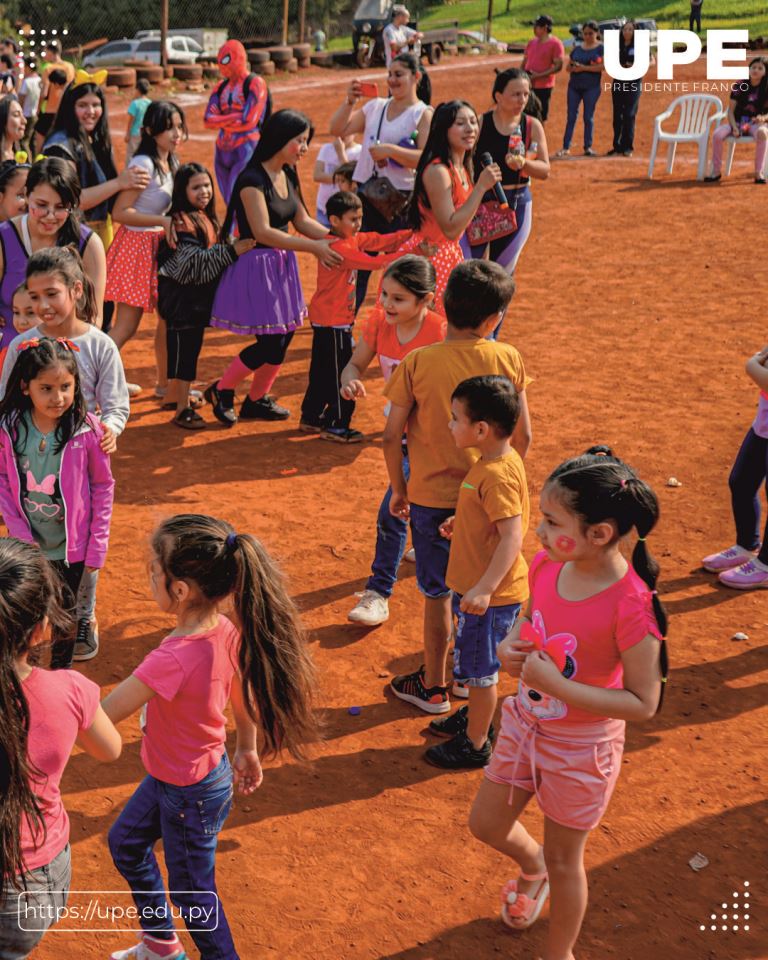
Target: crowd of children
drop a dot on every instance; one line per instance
(581, 627)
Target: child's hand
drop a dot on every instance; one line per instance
(247, 770)
(108, 442)
(243, 246)
(170, 232)
(399, 506)
(512, 654)
(446, 528)
(91, 569)
(539, 671)
(475, 601)
(353, 390)
(427, 249)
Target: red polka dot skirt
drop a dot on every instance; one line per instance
(132, 268)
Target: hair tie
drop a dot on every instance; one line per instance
(231, 541)
(68, 344)
(623, 482)
(34, 342)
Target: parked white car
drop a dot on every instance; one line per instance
(180, 50)
(112, 54)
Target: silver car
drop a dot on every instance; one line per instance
(112, 54)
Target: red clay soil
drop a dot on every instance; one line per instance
(637, 305)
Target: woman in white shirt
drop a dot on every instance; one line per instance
(394, 132)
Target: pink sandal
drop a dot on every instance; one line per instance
(518, 910)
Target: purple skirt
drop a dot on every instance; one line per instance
(260, 293)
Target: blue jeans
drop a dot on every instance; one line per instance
(188, 820)
(391, 540)
(474, 651)
(747, 476)
(575, 97)
(431, 549)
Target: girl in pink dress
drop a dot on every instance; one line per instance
(590, 655)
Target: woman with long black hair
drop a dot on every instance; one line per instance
(261, 294)
(626, 96)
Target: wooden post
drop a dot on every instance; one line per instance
(302, 19)
(285, 22)
(164, 33)
(489, 21)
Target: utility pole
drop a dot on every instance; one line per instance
(164, 33)
(489, 21)
(285, 22)
(302, 19)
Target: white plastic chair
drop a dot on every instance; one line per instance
(730, 149)
(698, 113)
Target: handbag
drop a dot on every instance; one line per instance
(380, 192)
(492, 221)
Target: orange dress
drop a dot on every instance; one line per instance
(449, 253)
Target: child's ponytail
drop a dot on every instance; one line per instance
(277, 670)
(29, 593)
(277, 673)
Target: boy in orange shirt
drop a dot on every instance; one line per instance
(476, 298)
(486, 569)
(332, 313)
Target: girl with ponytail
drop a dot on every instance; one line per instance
(42, 715)
(260, 661)
(590, 655)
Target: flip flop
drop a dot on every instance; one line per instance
(518, 910)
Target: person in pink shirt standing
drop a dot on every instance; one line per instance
(590, 655)
(262, 665)
(44, 714)
(543, 58)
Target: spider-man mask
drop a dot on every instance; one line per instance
(233, 60)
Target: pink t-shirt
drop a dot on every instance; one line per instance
(186, 727)
(593, 632)
(61, 704)
(539, 55)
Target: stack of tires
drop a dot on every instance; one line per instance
(283, 58)
(260, 62)
(321, 58)
(301, 52)
(122, 77)
(146, 71)
(191, 72)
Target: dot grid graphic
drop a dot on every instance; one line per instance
(734, 916)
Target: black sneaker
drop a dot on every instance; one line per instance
(223, 403)
(267, 408)
(459, 753)
(87, 640)
(341, 434)
(455, 724)
(410, 687)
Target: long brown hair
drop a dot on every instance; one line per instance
(29, 592)
(277, 671)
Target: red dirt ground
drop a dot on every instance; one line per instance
(638, 303)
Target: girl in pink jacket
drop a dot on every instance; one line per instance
(56, 485)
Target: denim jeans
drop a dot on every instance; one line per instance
(391, 540)
(575, 97)
(431, 549)
(474, 652)
(188, 820)
(34, 907)
(748, 474)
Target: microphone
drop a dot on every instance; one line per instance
(485, 161)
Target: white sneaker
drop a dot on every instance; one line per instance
(150, 948)
(370, 610)
(460, 690)
(410, 556)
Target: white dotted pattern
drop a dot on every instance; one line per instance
(736, 916)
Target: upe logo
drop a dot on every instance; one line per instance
(667, 56)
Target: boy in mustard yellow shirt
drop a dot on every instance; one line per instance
(476, 298)
(486, 569)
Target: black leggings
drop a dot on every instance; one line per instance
(269, 348)
(64, 642)
(184, 348)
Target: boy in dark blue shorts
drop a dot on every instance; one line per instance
(486, 569)
(476, 298)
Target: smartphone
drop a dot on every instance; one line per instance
(368, 89)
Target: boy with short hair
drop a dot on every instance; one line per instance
(476, 298)
(331, 314)
(486, 569)
(136, 110)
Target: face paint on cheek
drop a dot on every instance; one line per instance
(565, 544)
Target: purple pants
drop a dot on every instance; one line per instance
(228, 165)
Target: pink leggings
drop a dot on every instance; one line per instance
(724, 130)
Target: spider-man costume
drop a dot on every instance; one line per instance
(238, 108)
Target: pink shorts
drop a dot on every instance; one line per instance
(573, 778)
